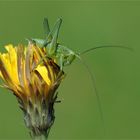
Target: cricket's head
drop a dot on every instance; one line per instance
(67, 55)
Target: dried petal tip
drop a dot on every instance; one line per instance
(34, 79)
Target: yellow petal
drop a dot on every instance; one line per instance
(13, 62)
(44, 73)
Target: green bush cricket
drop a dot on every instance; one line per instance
(62, 54)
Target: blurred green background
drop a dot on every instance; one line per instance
(117, 71)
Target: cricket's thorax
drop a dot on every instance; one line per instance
(62, 55)
(65, 54)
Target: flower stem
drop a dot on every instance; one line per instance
(41, 137)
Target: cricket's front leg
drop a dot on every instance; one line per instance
(61, 62)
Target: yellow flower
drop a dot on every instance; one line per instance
(34, 79)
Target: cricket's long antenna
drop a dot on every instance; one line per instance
(95, 89)
(106, 46)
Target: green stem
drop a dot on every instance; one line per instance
(41, 137)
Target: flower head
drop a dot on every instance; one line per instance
(33, 78)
